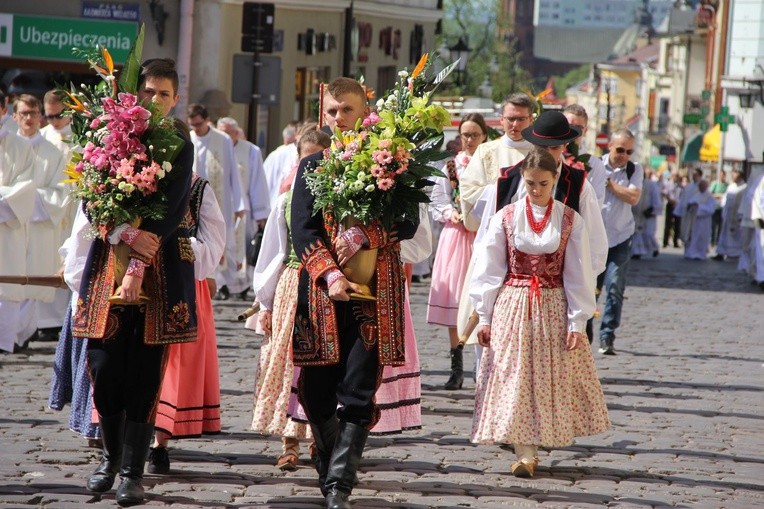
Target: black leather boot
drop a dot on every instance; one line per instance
(134, 452)
(112, 434)
(343, 465)
(324, 435)
(456, 379)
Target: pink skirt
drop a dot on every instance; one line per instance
(189, 403)
(448, 273)
(398, 396)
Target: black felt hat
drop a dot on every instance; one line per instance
(551, 129)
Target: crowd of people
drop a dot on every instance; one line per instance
(528, 234)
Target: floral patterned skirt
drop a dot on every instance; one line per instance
(530, 389)
(275, 370)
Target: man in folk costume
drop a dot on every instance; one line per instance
(624, 188)
(17, 201)
(214, 161)
(50, 315)
(51, 207)
(342, 344)
(481, 173)
(698, 218)
(127, 347)
(249, 161)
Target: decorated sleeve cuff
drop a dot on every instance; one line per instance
(318, 261)
(129, 235)
(355, 238)
(137, 256)
(376, 235)
(332, 276)
(135, 268)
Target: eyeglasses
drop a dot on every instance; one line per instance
(515, 120)
(471, 136)
(622, 150)
(54, 116)
(27, 114)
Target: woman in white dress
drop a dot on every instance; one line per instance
(533, 291)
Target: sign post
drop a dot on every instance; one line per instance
(257, 37)
(602, 140)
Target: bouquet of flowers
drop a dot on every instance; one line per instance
(576, 160)
(380, 170)
(127, 149)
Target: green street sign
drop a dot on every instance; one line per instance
(691, 118)
(705, 94)
(52, 38)
(723, 118)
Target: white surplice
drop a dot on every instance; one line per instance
(483, 170)
(698, 211)
(277, 166)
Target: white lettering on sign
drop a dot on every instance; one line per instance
(31, 34)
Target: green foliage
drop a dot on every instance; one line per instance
(128, 79)
(577, 75)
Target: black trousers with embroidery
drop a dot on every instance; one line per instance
(351, 383)
(126, 374)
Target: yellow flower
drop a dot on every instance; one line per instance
(74, 175)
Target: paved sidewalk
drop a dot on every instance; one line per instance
(685, 394)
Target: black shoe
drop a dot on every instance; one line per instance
(606, 349)
(456, 379)
(243, 295)
(636, 257)
(718, 258)
(49, 334)
(337, 499)
(656, 253)
(112, 433)
(416, 279)
(222, 294)
(159, 461)
(134, 451)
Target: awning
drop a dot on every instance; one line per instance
(735, 146)
(712, 141)
(691, 152)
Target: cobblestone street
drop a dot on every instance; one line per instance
(685, 394)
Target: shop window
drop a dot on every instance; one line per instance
(307, 81)
(386, 77)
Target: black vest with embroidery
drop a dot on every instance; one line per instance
(195, 205)
(569, 185)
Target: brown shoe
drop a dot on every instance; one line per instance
(287, 462)
(524, 468)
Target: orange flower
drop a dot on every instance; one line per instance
(76, 105)
(107, 60)
(420, 66)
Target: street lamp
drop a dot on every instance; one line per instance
(460, 51)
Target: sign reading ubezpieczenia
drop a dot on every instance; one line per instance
(52, 38)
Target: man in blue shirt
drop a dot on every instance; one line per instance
(623, 188)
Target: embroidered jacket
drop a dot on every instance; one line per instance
(168, 280)
(316, 340)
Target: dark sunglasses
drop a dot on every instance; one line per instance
(55, 116)
(621, 150)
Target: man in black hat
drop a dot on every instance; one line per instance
(552, 132)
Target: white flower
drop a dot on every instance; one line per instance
(361, 176)
(369, 188)
(380, 103)
(166, 166)
(403, 74)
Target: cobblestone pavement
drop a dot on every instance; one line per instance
(685, 394)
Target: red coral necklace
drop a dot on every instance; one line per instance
(537, 226)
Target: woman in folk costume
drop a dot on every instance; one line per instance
(189, 404)
(275, 285)
(455, 245)
(533, 290)
(70, 382)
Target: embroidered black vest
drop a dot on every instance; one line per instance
(569, 185)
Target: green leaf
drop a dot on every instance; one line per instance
(128, 76)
